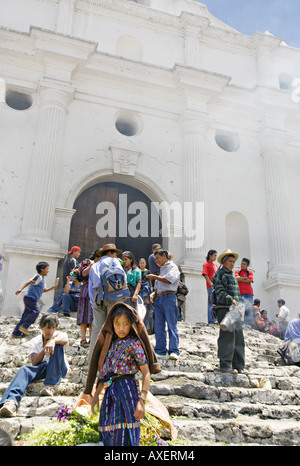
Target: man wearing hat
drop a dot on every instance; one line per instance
(108, 254)
(231, 345)
(70, 262)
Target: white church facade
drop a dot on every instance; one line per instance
(135, 104)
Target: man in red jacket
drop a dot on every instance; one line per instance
(244, 277)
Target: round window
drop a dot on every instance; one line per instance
(128, 123)
(227, 141)
(18, 100)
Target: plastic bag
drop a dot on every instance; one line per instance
(141, 308)
(233, 318)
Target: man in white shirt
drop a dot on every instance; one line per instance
(48, 362)
(283, 316)
(165, 305)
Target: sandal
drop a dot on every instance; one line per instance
(84, 344)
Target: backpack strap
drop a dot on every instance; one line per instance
(241, 272)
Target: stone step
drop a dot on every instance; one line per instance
(179, 406)
(66, 388)
(207, 407)
(34, 411)
(200, 391)
(227, 427)
(280, 378)
(239, 432)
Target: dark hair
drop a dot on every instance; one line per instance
(49, 320)
(130, 255)
(156, 246)
(224, 259)
(210, 253)
(246, 260)
(256, 302)
(122, 311)
(282, 301)
(95, 254)
(41, 265)
(161, 252)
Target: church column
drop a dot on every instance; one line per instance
(66, 10)
(280, 232)
(265, 44)
(193, 185)
(40, 199)
(283, 276)
(194, 28)
(194, 210)
(35, 242)
(192, 50)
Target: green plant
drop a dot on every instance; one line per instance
(72, 427)
(77, 426)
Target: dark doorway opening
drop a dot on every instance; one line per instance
(87, 218)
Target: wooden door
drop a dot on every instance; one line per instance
(83, 226)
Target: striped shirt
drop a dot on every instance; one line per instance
(226, 288)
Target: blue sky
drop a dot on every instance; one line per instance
(280, 17)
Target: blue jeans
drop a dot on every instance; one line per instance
(52, 371)
(210, 319)
(166, 312)
(70, 303)
(247, 299)
(57, 303)
(29, 316)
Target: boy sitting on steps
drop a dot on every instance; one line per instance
(48, 362)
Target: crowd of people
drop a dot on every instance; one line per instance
(253, 315)
(230, 295)
(115, 301)
(118, 304)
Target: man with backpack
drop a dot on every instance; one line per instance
(107, 286)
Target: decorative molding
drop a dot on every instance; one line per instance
(281, 280)
(39, 251)
(124, 161)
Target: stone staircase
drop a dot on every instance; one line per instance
(207, 407)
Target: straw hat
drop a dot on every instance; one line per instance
(227, 252)
(108, 247)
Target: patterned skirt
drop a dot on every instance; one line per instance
(117, 424)
(84, 310)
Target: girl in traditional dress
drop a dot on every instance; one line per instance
(85, 307)
(121, 351)
(133, 276)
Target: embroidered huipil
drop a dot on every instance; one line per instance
(124, 357)
(117, 424)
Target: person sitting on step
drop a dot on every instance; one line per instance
(48, 362)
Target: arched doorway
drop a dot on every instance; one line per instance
(237, 234)
(114, 212)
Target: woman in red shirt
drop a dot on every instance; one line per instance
(208, 271)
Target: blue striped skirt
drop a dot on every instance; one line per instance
(117, 424)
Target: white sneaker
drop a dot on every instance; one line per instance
(48, 390)
(161, 356)
(8, 409)
(173, 356)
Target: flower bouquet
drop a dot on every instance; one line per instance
(79, 426)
